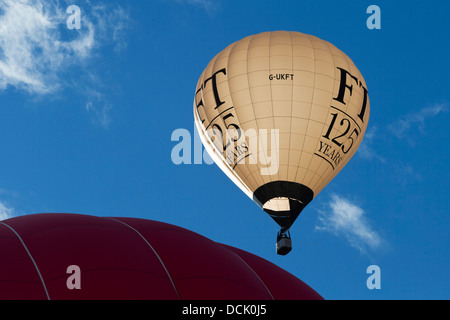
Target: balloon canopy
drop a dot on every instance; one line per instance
(281, 113)
(130, 258)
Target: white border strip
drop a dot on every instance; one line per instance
(31, 257)
(154, 251)
(254, 272)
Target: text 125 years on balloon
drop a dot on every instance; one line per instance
(223, 130)
(343, 130)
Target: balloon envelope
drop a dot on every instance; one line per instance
(130, 258)
(281, 113)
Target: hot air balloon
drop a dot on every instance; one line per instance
(281, 113)
(122, 258)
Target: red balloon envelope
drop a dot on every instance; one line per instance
(130, 258)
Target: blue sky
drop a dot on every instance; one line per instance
(87, 115)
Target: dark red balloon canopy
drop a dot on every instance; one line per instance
(131, 258)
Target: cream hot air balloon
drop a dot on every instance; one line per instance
(281, 113)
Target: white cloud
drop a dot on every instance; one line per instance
(40, 55)
(112, 24)
(99, 108)
(416, 119)
(366, 150)
(33, 51)
(402, 129)
(405, 174)
(344, 218)
(208, 5)
(5, 212)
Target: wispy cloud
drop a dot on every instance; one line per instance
(403, 129)
(208, 5)
(405, 174)
(344, 218)
(40, 55)
(366, 150)
(416, 120)
(99, 108)
(33, 51)
(5, 211)
(112, 24)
